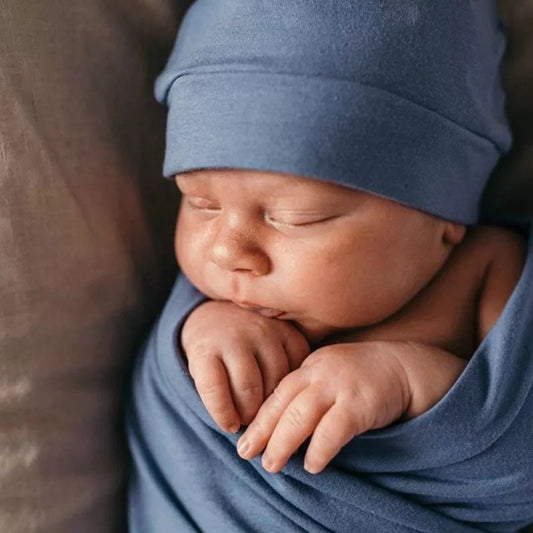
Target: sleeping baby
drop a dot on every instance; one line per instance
(393, 301)
(341, 307)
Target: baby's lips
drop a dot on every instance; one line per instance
(267, 312)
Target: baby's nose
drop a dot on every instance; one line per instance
(234, 250)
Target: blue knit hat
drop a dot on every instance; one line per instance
(401, 98)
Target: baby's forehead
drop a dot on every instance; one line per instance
(263, 182)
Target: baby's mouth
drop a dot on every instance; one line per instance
(267, 312)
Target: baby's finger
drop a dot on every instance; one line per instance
(246, 383)
(212, 383)
(297, 348)
(336, 429)
(274, 365)
(298, 421)
(255, 438)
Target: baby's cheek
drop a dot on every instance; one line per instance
(318, 298)
(181, 248)
(198, 270)
(189, 241)
(187, 249)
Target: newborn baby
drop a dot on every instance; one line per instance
(336, 278)
(392, 300)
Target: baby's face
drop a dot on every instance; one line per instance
(325, 256)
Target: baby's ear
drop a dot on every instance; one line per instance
(453, 233)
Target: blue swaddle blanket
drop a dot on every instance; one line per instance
(464, 465)
(399, 98)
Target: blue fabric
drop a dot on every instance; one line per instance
(464, 465)
(399, 98)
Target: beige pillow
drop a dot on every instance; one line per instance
(86, 258)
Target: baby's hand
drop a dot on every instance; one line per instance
(343, 390)
(237, 358)
(340, 391)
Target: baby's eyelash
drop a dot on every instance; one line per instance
(306, 223)
(197, 202)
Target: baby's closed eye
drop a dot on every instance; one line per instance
(295, 218)
(199, 202)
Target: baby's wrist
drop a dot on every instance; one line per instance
(429, 373)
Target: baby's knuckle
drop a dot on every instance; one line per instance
(223, 418)
(321, 436)
(262, 328)
(318, 360)
(208, 390)
(222, 413)
(236, 355)
(200, 351)
(295, 417)
(232, 342)
(251, 389)
(365, 406)
(371, 399)
(260, 429)
(276, 398)
(319, 382)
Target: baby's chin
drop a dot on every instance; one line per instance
(315, 331)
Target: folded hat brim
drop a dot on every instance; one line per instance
(328, 129)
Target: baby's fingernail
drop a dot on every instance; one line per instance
(311, 468)
(233, 428)
(242, 447)
(268, 464)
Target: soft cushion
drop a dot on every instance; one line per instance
(86, 257)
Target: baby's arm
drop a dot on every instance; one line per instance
(237, 358)
(343, 390)
(506, 262)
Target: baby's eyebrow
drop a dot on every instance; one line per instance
(182, 178)
(188, 183)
